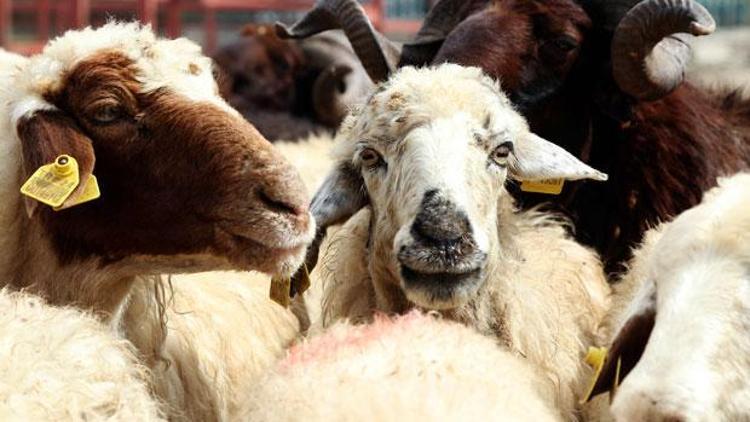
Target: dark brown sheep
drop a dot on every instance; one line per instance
(290, 89)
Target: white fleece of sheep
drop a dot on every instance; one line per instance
(61, 364)
(223, 333)
(411, 368)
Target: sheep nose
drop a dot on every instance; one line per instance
(281, 204)
(439, 221)
(284, 193)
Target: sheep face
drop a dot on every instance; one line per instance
(432, 150)
(686, 330)
(186, 183)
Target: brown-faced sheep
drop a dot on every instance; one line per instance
(409, 368)
(420, 174)
(186, 184)
(61, 364)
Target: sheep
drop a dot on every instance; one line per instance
(680, 315)
(418, 176)
(578, 71)
(62, 364)
(186, 185)
(290, 89)
(409, 368)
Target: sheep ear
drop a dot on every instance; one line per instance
(630, 342)
(46, 134)
(341, 195)
(536, 159)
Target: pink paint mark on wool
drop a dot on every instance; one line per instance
(353, 338)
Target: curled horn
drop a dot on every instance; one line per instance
(377, 54)
(650, 47)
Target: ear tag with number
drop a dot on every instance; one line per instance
(548, 186)
(89, 193)
(53, 183)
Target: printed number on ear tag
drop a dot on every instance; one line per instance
(89, 193)
(548, 186)
(53, 183)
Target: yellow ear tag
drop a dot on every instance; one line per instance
(595, 358)
(53, 183)
(615, 381)
(280, 288)
(548, 186)
(89, 193)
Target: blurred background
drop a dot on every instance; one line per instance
(269, 79)
(27, 24)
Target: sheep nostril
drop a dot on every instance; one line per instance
(281, 205)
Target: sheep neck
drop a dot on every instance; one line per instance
(84, 284)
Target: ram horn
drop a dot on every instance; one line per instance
(650, 47)
(442, 18)
(378, 55)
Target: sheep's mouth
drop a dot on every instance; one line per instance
(440, 290)
(254, 254)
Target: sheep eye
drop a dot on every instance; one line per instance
(107, 114)
(370, 158)
(565, 43)
(500, 154)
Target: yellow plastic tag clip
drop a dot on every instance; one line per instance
(53, 183)
(284, 288)
(548, 186)
(595, 358)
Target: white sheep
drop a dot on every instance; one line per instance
(410, 368)
(61, 364)
(186, 185)
(680, 316)
(421, 168)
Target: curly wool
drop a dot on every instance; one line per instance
(61, 364)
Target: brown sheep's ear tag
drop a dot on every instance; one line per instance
(284, 288)
(596, 358)
(53, 184)
(547, 186)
